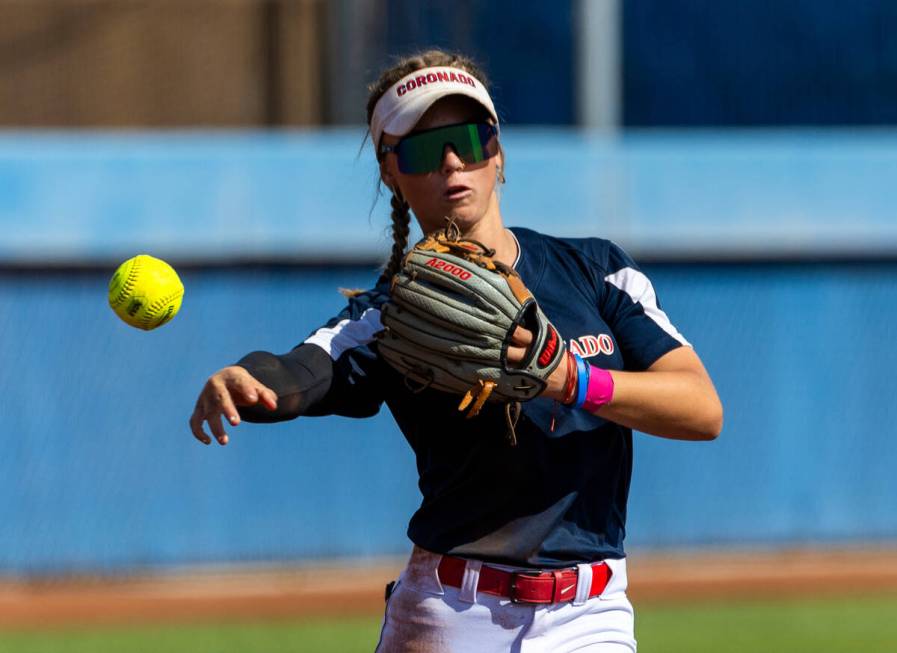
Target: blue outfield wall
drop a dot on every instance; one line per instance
(305, 195)
(98, 470)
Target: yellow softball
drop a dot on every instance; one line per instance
(145, 292)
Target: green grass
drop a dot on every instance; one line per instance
(319, 636)
(832, 625)
(836, 625)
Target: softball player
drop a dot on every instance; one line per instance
(515, 548)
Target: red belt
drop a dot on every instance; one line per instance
(523, 586)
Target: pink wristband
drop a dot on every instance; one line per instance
(600, 390)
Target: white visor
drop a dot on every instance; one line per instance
(399, 109)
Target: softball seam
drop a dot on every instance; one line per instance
(153, 309)
(128, 284)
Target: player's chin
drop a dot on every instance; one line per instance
(465, 214)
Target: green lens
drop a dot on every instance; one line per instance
(476, 148)
(423, 151)
(420, 152)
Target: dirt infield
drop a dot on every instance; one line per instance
(253, 594)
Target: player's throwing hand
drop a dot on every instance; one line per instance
(225, 390)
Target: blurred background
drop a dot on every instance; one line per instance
(744, 152)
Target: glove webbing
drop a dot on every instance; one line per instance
(469, 249)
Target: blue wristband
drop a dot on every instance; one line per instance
(582, 381)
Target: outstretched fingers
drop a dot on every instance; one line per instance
(268, 397)
(223, 392)
(214, 402)
(214, 421)
(224, 404)
(249, 392)
(206, 412)
(196, 420)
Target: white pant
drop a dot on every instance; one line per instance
(423, 615)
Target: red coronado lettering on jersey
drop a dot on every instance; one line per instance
(432, 78)
(445, 266)
(587, 346)
(551, 344)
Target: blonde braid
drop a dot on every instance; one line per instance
(401, 228)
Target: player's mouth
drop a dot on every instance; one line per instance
(457, 193)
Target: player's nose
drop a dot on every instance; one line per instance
(451, 162)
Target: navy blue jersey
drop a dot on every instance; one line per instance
(557, 498)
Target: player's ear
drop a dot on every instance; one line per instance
(388, 164)
(500, 164)
(387, 176)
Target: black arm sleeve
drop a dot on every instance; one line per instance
(301, 380)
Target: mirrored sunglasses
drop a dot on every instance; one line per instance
(423, 151)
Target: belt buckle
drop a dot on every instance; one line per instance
(512, 591)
